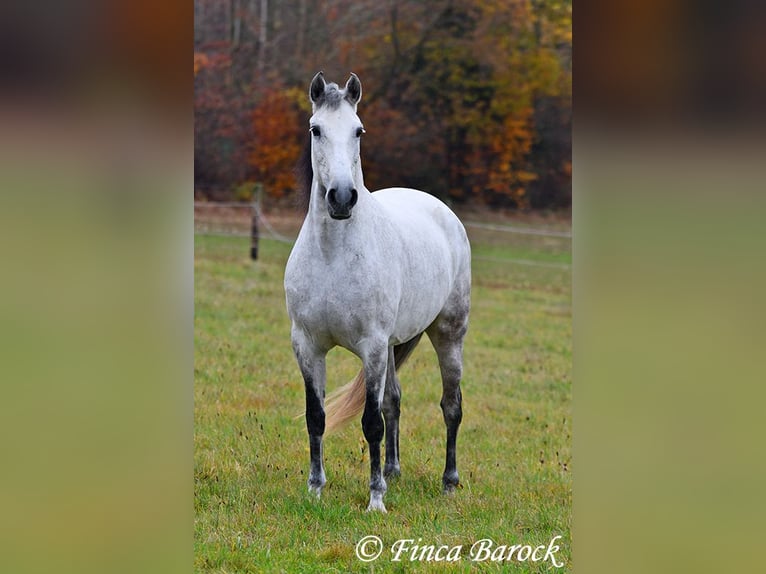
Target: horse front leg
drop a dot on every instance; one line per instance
(312, 366)
(372, 422)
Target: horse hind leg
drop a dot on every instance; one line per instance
(390, 408)
(447, 333)
(397, 355)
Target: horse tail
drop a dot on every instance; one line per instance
(347, 402)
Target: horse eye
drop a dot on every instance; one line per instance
(316, 132)
(359, 132)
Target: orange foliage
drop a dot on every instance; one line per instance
(498, 165)
(466, 99)
(509, 151)
(276, 143)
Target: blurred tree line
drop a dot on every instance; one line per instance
(469, 100)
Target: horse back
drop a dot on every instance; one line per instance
(426, 222)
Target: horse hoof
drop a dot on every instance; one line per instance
(315, 491)
(450, 483)
(392, 472)
(315, 488)
(376, 503)
(377, 507)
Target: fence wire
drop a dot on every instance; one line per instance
(204, 228)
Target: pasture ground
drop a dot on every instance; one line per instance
(252, 509)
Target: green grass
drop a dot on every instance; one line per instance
(253, 512)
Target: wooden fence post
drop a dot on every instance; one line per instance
(256, 207)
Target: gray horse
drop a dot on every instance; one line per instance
(372, 273)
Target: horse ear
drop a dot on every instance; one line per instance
(316, 90)
(353, 89)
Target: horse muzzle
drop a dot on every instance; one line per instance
(340, 201)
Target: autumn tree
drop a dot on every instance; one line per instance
(276, 141)
(469, 100)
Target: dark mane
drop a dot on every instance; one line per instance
(304, 175)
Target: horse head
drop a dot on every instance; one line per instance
(335, 133)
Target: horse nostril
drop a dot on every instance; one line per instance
(331, 195)
(354, 197)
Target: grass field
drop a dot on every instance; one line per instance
(252, 509)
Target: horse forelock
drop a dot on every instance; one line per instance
(332, 97)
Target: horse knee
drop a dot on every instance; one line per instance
(315, 421)
(315, 415)
(452, 407)
(372, 423)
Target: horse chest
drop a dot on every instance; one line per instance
(340, 299)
